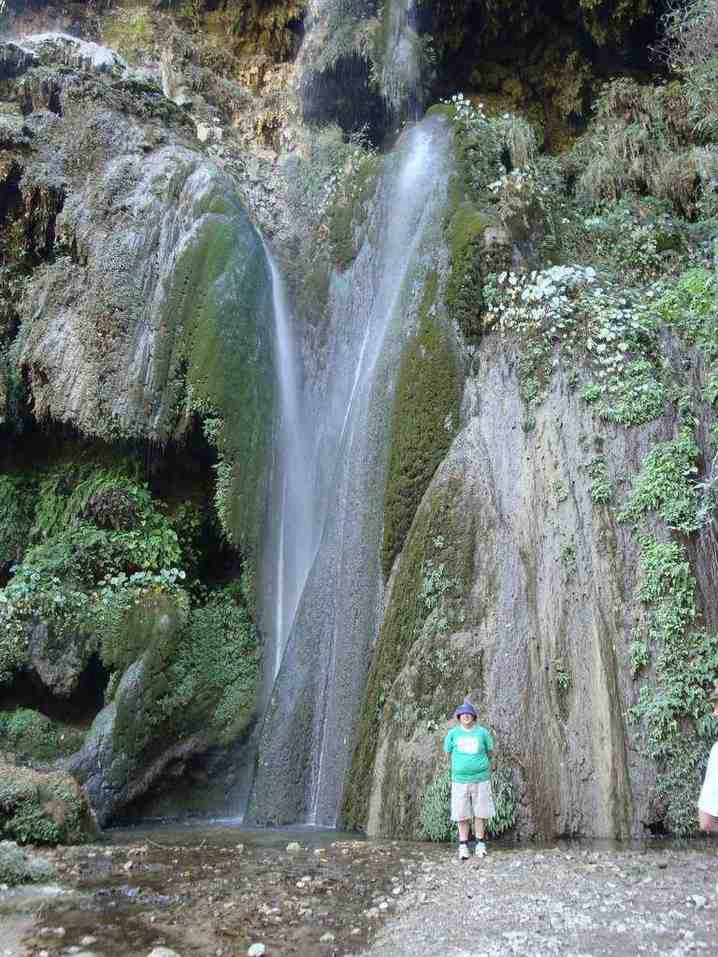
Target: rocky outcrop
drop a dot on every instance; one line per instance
(529, 611)
(42, 807)
(140, 265)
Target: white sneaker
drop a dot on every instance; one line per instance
(480, 849)
(463, 852)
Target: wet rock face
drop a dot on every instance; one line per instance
(107, 197)
(532, 618)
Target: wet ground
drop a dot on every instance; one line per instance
(219, 890)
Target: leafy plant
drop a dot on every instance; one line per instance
(600, 489)
(671, 710)
(435, 822)
(666, 485)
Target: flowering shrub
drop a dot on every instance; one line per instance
(594, 324)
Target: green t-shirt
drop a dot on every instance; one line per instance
(469, 754)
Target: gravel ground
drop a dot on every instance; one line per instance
(570, 901)
(309, 895)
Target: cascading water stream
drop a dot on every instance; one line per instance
(305, 744)
(293, 526)
(321, 571)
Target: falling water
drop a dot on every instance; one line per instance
(293, 526)
(307, 736)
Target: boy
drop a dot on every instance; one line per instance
(472, 760)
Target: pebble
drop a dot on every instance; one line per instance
(239, 848)
(327, 938)
(88, 940)
(256, 950)
(162, 952)
(293, 847)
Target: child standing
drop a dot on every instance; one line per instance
(472, 760)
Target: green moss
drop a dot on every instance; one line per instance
(219, 304)
(424, 420)
(463, 291)
(439, 541)
(32, 734)
(130, 31)
(41, 808)
(194, 672)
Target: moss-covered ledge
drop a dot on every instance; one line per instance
(424, 419)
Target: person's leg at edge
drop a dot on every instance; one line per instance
(463, 839)
(480, 832)
(707, 822)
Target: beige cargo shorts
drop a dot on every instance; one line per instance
(472, 800)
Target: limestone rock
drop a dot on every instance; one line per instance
(491, 519)
(59, 662)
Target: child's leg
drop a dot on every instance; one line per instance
(463, 831)
(479, 828)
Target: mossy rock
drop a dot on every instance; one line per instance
(436, 559)
(477, 245)
(188, 682)
(35, 736)
(42, 808)
(424, 420)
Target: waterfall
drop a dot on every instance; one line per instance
(293, 526)
(305, 743)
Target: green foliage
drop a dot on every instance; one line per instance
(559, 490)
(435, 822)
(463, 291)
(19, 867)
(638, 143)
(215, 671)
(16, 497)
(424, 420)
(99, 539)
(690, 305)
(502, 786)
(636, 240)
(600, 489)
(568, 556)
(666, 485)
(562, 676)
(31, 733)
(672, 709)
(599, 324)
(194, 673)
(41, 808)
(690, 36)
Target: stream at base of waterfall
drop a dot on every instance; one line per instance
(217, 890)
